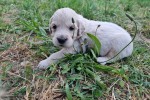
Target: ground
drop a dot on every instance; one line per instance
(24, 42)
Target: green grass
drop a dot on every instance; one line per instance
(23, 43)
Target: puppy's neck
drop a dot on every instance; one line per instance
(81, 44)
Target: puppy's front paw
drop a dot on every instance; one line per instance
(43, 64)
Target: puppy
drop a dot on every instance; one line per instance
(68, 30)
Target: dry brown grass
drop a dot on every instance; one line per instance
(20, 56)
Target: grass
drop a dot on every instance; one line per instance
(23, 43)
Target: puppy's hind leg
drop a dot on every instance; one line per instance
(108, 58)
(102, 60)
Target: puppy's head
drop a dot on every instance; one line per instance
(65, 26)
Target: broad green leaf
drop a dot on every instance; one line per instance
(112, 69)
(68, 93)
(104, 68)
(97, 43)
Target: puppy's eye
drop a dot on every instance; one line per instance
(71, 28)
(54, 27)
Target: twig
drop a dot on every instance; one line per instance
(129, 91)
(112, 85)
(113, 95)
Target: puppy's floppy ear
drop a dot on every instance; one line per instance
(50, 30)
(81, 28)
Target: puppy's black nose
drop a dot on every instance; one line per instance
(62, 40)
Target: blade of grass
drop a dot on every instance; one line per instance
(96, 78)
(68, 93)
(42, 31)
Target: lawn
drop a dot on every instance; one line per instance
(24, 42)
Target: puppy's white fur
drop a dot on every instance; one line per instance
(112, 37)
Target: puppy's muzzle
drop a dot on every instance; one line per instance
(62, 39)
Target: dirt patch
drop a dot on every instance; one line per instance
(16, 53)
(7, 17)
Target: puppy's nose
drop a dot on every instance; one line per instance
(62, 40)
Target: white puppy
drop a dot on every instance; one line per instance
(69, 29)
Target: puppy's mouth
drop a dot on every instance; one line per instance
(61, 45)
